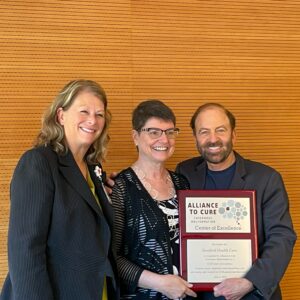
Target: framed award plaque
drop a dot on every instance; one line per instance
(218, 235)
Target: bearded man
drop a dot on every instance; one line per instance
(219, 167)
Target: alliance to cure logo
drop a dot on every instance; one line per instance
(233, 209)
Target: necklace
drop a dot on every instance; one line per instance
(151, 190)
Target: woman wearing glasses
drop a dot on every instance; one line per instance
(146, 235)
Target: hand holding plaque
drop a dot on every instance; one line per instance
(218, 235)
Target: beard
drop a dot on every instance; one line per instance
(215, 158)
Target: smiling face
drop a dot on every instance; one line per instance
(83, 122)
(156, 150)
(215, 138)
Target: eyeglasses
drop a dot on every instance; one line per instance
(156, 133)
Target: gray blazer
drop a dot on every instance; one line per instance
(276, 237)
(59, 238)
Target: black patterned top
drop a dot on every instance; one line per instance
(143, 236)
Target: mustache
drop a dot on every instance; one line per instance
(216, 144)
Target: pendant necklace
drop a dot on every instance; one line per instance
(151, 190)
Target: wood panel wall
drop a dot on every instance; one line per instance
(243, 54)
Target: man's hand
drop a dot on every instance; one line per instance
(233, 288)
(110, 182)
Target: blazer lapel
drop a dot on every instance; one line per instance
(104, 198)
(238, 182)
(198, 180)
(72, 174)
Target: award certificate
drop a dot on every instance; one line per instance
(218, 235)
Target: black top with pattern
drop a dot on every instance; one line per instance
(142, 236)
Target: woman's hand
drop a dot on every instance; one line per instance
(172, 286)
(175, 287)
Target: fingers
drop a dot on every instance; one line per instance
(113, 175)
(233, 288)
(108, 190)
(110, 182)
(175, 287)
(190, 292)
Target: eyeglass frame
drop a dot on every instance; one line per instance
(166, 131)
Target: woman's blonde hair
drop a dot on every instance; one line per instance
(52, 133)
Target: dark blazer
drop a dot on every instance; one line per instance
(59, 238)
(276, 237)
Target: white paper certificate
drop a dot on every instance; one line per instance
(213, 260)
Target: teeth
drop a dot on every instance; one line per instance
(87, 130)
(160, 148)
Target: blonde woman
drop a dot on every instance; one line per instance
(60, 217)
